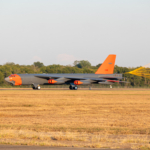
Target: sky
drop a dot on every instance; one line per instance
(62, 31)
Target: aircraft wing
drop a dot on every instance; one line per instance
(47, 76)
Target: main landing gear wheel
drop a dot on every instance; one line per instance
(73, 87)
(36, 88)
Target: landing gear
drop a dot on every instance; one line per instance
(71, 87)
(36, 87)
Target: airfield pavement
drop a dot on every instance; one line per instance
(99, 118)
(82, 89)
(11, 147)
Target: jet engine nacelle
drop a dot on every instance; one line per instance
(83, 82)
(53, 81)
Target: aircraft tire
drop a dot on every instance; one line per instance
(38, 87)
(75, 88)
(70, 87)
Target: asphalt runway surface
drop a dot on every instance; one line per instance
(11, 147)
(32, 89)
(62, 89)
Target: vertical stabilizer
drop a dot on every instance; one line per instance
(107, 66)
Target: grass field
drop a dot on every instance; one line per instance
(115, 119)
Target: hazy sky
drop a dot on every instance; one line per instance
(61, 31)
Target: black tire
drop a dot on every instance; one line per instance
(70, 87)
(36, 88)
(73, 88)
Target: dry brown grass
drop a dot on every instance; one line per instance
(78, 118)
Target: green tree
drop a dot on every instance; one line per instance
(1, 78)
(38, 64)
(76, 62)
(82, 64)
(10, 63)
(98, 65)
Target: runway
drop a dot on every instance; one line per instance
(67, 89)
(51, 89)
(11, 147)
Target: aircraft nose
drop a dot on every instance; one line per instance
(7, 79)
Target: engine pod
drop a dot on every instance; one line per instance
(52, 81)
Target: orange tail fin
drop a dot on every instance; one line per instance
(107, 66)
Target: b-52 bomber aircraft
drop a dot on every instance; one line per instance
(104, 75)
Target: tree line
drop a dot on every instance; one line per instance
(82, 66)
